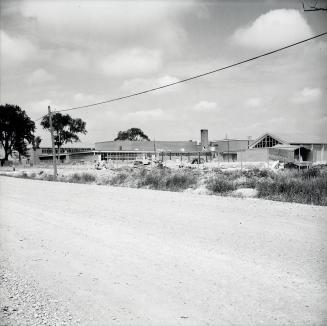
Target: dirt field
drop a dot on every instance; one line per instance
(96, 255)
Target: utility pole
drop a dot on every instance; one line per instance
(53, 147)
(154, 148)
(228, 149)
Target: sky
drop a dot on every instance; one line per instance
(72, 53)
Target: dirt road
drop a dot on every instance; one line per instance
(97, 255)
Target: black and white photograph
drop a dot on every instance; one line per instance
(163, 162)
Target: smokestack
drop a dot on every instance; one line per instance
(204, 140)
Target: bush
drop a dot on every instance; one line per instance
(47, 177)
(118, 179)
(165, 179)
(82, 178)
(220, 184)
(181, 181)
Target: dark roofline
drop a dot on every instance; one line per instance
(229, 139)
(306, 143)
(148, 141)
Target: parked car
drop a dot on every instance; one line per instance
(198, 161)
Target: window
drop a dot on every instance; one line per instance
(267, 142)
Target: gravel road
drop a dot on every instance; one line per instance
(75, 254)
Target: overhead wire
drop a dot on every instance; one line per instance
(190, 78)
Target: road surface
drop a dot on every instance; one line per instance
(96, 255)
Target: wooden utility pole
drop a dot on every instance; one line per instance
(53, 146)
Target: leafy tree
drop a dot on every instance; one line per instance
(132, 134)
(65, 128)
(35, 145)
(16, 130)
(36, 142)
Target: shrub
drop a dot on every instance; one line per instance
(220, 184)
(153, 178)
(81, 178)
(181, 180)
(118, 179)
(165, 179)
(47, 177)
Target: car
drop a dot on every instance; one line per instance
(198, 161)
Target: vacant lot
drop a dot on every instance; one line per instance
(95, 255)
(305, 186)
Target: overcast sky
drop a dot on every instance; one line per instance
(71, 53)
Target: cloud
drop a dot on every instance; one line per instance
(307, 95)
(82, 98)
(40, 76)
(15, 50)
(131, 62)
(205, 106)
(39, 108)
(273, 29)
(71, 59)
(253, 102)
(140, 84)
(148, 115)
(117, 21)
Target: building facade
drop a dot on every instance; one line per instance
(264, 148)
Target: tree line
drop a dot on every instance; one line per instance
(17, 131)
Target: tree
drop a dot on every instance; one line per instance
(35, 145)
(16, 130)
(65, 128)
(132, 134)
(36, 142)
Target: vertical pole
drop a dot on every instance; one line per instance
(228, 149)
(53, 146)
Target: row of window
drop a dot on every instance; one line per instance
(65, 150)
(133, 156)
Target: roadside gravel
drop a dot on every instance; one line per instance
(24, 303)
(120, 256)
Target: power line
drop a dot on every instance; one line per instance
(193, 77)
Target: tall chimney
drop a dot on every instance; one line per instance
(204, 140)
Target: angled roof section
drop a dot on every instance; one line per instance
(267, 140)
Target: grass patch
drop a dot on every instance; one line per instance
(220, 184)
(307, 187)
(81, 178)
(118, 179)
(166, 179)
(296, 186)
